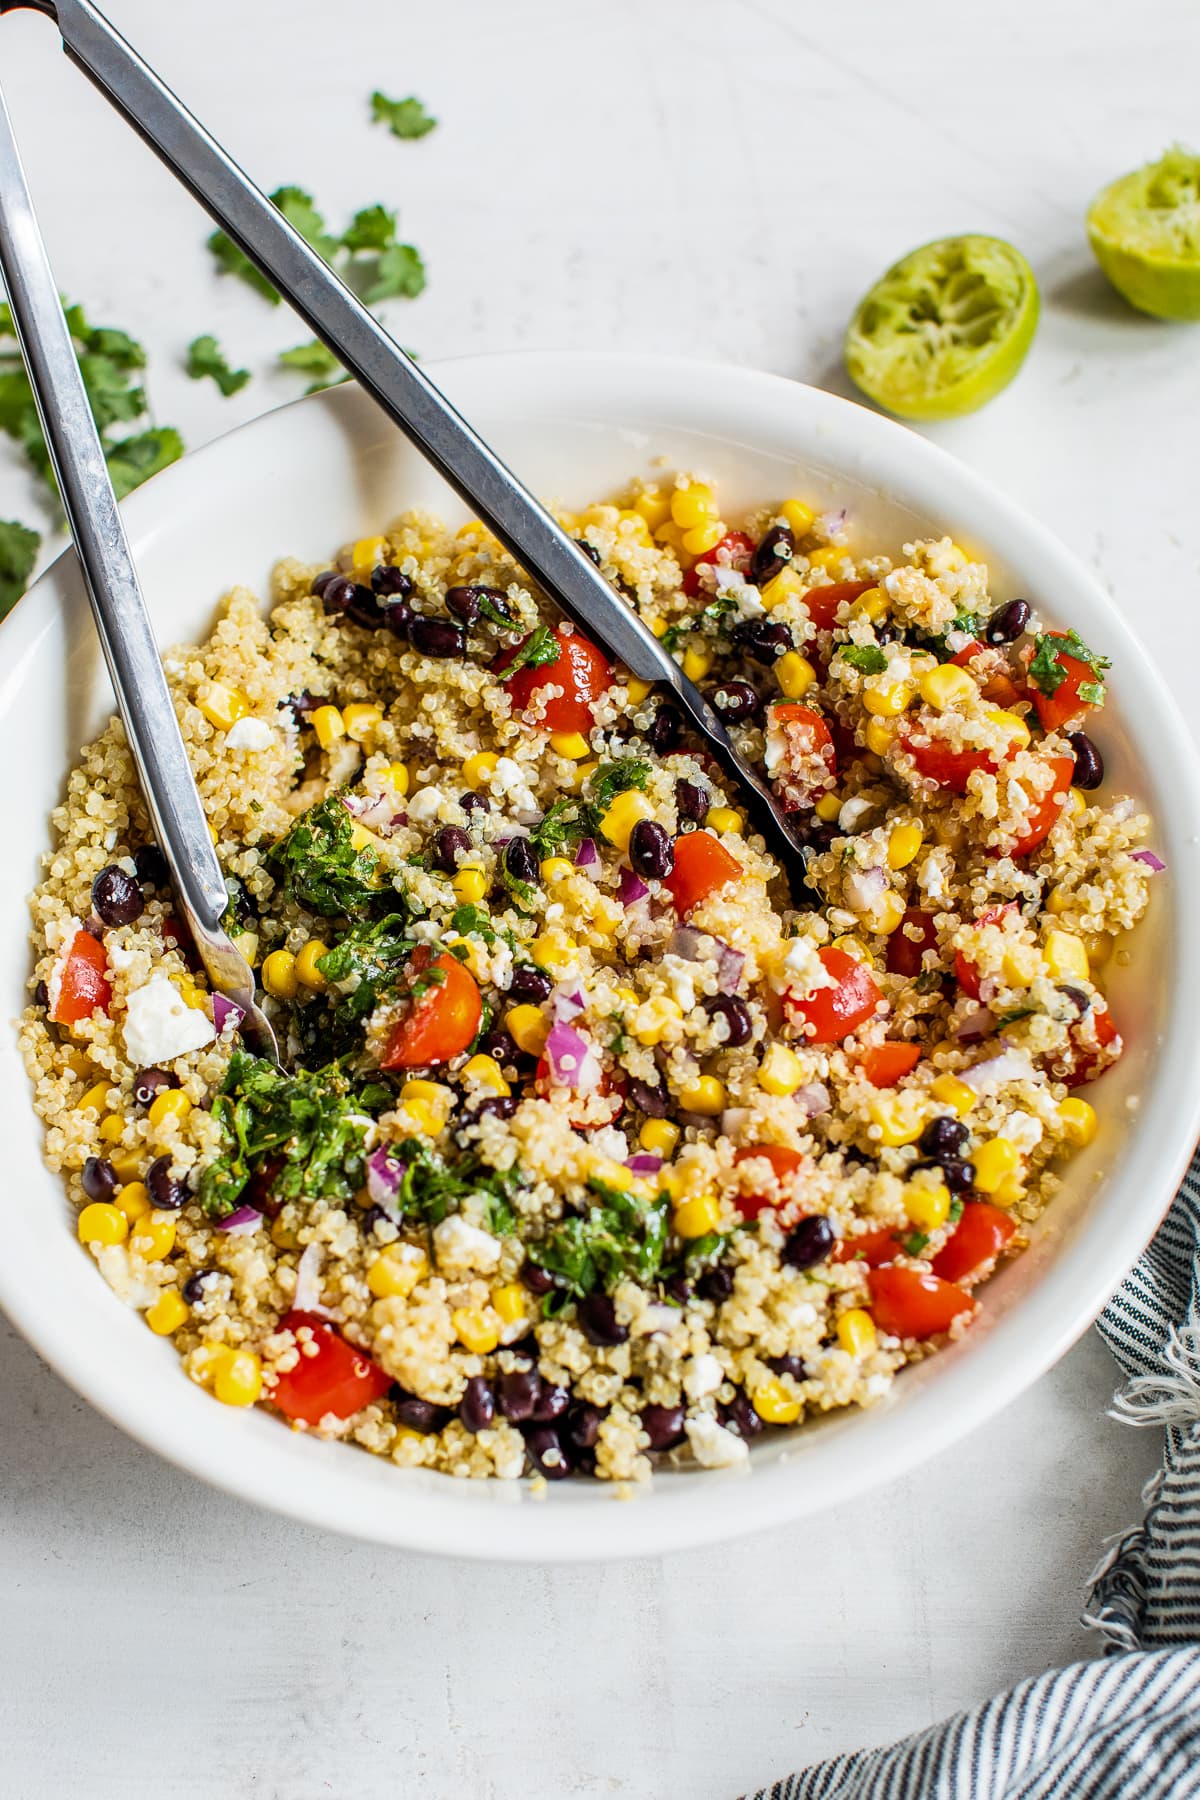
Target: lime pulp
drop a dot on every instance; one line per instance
(1145, 231)
(945, 329)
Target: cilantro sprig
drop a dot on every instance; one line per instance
(367, 254)
(617, 1236)
(403, 118)
(205, 357)
(18, 553)
(869, 658)
(540, 649)
(1048, 674)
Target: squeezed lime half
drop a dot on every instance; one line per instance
(945, 329)
(1145, 231)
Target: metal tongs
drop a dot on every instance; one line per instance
(375, 360)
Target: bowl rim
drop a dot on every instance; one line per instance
(1066, 1298)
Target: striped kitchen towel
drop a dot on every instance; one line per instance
(1126, 1727)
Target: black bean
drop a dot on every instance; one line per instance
(387, 579)
(166, 1193)
(516, 1394)
(151, 866)
(395, 615)
(436, 637)
(666, 729)
(466, 603)
(41, 994)
(663, 1425)
(788, 1365)
(337, 595)
(763, 640)
(520, 859)
(305, 703)
(419, 1415)
(1089, 764)
(534, 1278)
(321, 582)
(117, 897)
(374, 1215)
(598, 1321)
(475, 803)
(496, 1106)
(551, 1402)
(149, 1082)
(774, 552)
(944, 1137)
(1007, 624)
(463, 602)
(957, 1175)
(736, 1014)
(581, 1427)
(546, 1452)
(651, 852)
(1077, 998)
(530, 985)
(194, 1286)
(650, 1100)
(449, 844)
(677, 1287)
(366, 608)
(715, 1285)
(99, 1178)
(498, 1044)
(477, 1408)
(734, 701)
(740, 1417)
(811, 1242)
(589, 550)
(692, 801)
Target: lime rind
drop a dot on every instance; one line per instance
(945, 329)
(1144, 229)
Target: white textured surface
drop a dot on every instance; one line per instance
(720, 179)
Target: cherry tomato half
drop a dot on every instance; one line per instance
(830, 1014)
(339, 1379)
(84, 985)
(740, 548)
(872, 1247)
(822, 602)
(702, 865)
(782, 1160)
(804, 764)
(886, 1064)
(979, 1237)
(1097, 1046)
(1065, 704)
(441, 1022)
(908, 1304)
(1043, 814)
(950, 768)
(580, 669)
(906, 946)
(965, 971)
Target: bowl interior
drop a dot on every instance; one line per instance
(307, 478)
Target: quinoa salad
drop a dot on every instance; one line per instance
(595, 1148)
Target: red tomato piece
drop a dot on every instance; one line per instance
(702, 865)
(872, 1247)
(830, 1014)
(823, 602)
(979, 1237)
(905, 950)
(339, 1379)
(611, 1088)
(782, 1160)
(1042, 816)
(580, 669)
(84, 986)
(443, 1019)
(740, 548)
(1100, 1051)
(1064, 704)
(886, 1064)
(908, 1304)
(965, 971)
(807, 760)
(950, 768)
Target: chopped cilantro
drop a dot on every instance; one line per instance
(321, 867)
(403, 118)
(617, 1236)
(469, 918)
(704, 620)
(133, 460)
(398, 272)
(205, 357)
(609, 780)
(1047, 672)
(374, 228)
(368, 963)
(433, 1188)
(867, 657)
(18, 553)
(540, 648)
(298, 209)
(956, 1210)
(914, 1243)
(366, 253)
(314, 359)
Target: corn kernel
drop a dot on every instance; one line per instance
(787, 585)
(928, 1208)
(79, 1063)
(133, 1200)
(696, 1218)
(870, 605)
(470, 885)
(1076, 803)
(723, 818)
(125, 1164)
(627, 997)
(946, 686)
(397, 774)
(885, 697)
(279, 975)
(856, 1331)
(397, 1270)
(478, 769)
(362, 839)
(693, 505)
(1058, 900)
(1078, 1121)
(475, 1329)
(154, 1235)
(102, 1223)
(670, 534)
(880, 736)
(993, 1160)
(853, 947)
(112, 1129)
(238, 1379)
(247, 942)
(887, 913)
(1011, 723)
(361, 720)
(168, 1313)
(554, 869)
(1020, 965)
(703, 538)
(366, 555)
(654, 1018)
(427, 1104)
(555, 951)
(172, 1103)
(705, 1095)
(510, 1301)
(658, 1137)
(624, 813)
(1010, 1190)
(653, 506)
(781, 1071)
(828, 807)
(800, 518)
(696, 664)
(528, 1027)
(903, 844)
(953, 1093)
(570, 743)
(189, 993)
(1066, 956)
(96, 1098)
(307, 971)
(795, 674)
(329, 726)
(901, 1116)
(638, 690)
(831, 556)
(774, 1404)
(486, 1072)
(223, 706)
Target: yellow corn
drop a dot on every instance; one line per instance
(470, 885)
(693, 505)
(658, 1137)
(696, 1218)
(886, 914)
(1076, 803)
(953, 1093)
(475, 1329)
(856, 1331)
(102, 1223)
(1058, 900)
(795, 674)
(854, 948)
(279, 975)
(486, 1072)
(723, 818)
(901, 1116)
(1066, 956)
(696, 664)
(427, 1104)
(329, 726)
(189, 993)
(781, 1071)
(654, 1018)
(705, 1095)
(1010, 1190)
(1078, 1120)
(554, 869)
(133, 1200)
(830, 557)
(510, 1301)
(361, 720)
(478, 769)
(96, 1098)
(125, 1164)
(870, 605)
(172, 1103)
(366, 555)
(638, 690)
(928, 1208)
(168, 1313)
(800, 517)
(397, 774)
(993, 1160)
(1020, 965)
(528, 1027)
(703, 538)
(903, 845)
(580, 775)
(362, 839)
(787, 585)
(671, 535)
(886, 697)
(111, 1129)
(773, 1403)
(223, 706)
(947, 685)
(397, 1270)
(238, 1379)
(154, 1235)
(880, 736)
(555, 951)
(570, 743)
(306, 964)
(828, 807)
(1011, 723)
(653, 506)
(624, 813)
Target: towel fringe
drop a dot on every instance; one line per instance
(1172, 1398)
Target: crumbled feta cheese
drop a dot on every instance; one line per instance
(424, 806)
(775, 751)
(119, 957)
(712, 1446)
(249, 734)
(852, 811)
(931, 878)
(508, 781)
(344, 759)
(654, 1320)
(801, 969)
(1023, 1131)
(160, 1025)
(610, 1141)
(461, 1248)
(681, 976)
(702, 1375)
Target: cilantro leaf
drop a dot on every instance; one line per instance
(914, 1243)
(18, 553)
(562, 824)
(321, 868)
(609, 780)
(399, 271)
(205, 357)
(299, 210)
(617, 1236)
(1047, 672)
(369, 961)
(314, 358)
(708, 617)
(432, 1187)
(403, 118)
(133, 460)
(540, 649)
(867, 657)
(374, 228)
(469, 918)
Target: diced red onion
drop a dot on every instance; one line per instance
(384, 1175)
(1154, 863)
(643, 1164)
(1009, 1065)
(631, 889)
(978, 1024)
(226, 1012)
(813, 1099)
(566, 1004)
(573, 1062)
(586, 854)
(685, 942)
(240, 1222)
(730, 964)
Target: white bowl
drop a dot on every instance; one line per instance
(305, 479)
